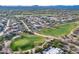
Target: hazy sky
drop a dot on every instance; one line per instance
(39, 2)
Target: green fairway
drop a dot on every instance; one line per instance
(26, 42)
(59, 30)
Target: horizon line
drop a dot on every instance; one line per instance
(39, 5)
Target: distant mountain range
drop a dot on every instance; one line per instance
(36, 7)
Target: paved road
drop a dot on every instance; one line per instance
(26, 27)
(6, 48)
(6, 28)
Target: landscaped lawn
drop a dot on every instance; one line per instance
(26, 42)
(59, 30)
